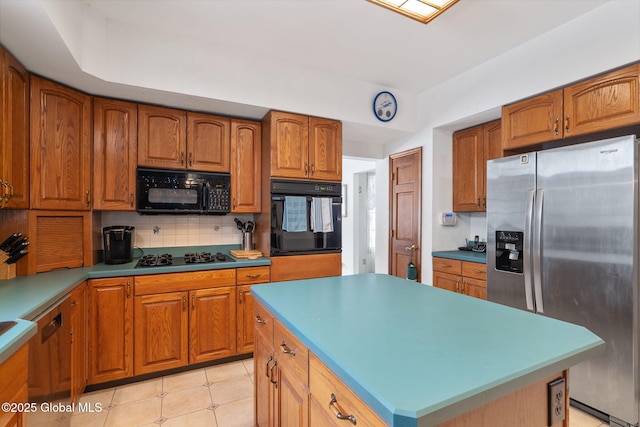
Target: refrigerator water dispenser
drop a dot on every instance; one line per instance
(509, 256)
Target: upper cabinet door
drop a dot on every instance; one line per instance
(246, 152)
(60, 147)
(14, 133)
(325, 149)
(604, 102)
(115, 127)
(468, 170)
(162, 137)
(289, 145)
(532, 121)
(207, 142)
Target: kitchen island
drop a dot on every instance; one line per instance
(413, 354)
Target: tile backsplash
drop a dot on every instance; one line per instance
(154, 231)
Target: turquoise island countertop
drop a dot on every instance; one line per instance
(23, 298)
(419, 355)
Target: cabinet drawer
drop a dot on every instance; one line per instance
(263, 322)
(178, 282)
(251, 275)
(291, 353)
(324, 385)
(445, 265)
(474, 269)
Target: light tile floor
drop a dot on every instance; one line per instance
(217, 396)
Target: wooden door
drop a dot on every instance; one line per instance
(207, 142)
(246, 158)
(110, 335)
(244, 316)
(14, 133)
(115, 148)
(264, 382)
(60, 147)
(532, 121)
(161, 332)
(162, 137)
(604, 102)
(212, 324)
(325, 149)
(78, 341)
(405, 211)
(468, 170)
(289, 138)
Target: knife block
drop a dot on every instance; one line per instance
(7, 271)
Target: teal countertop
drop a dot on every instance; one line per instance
(23, 298)
(419, 355)
(462, 255)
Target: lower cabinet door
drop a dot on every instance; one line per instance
(161, 332)
(450, 282)
(475, 288)
(244, 317)
(292, 400)
(212, 328)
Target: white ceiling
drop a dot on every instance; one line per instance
(351, 40)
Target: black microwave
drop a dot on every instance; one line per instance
(182, 192)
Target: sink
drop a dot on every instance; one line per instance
(5, 326)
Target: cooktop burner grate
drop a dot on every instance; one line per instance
(164, 260)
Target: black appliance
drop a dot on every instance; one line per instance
(165, 260)
(307, 241)
(182, 192)
(118, 244)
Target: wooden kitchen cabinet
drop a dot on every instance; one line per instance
(472, 148)
(14, 133)
(208, 142)
(115, 148)
(246, 160)
(606, 101)
(298, 267)
(110, 337)
(174, 139)
(60, 147)
(468, 278)
(244, 318)
(161, 331)
(14, 373)
(303, 147)
(212, 324)
(78, 320)
(162, 137)
(264, 381)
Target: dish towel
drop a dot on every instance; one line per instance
(294, 217)
(321, 217)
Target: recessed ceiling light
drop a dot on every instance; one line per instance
(420, 10)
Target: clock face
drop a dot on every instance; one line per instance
(385, 106)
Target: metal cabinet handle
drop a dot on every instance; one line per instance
(260, 320)
(193, 302)
(306, 168)
(240, 297)
(333, 405)
(286, 350)
(131, 199)
(190, 158)
(128, 288)
(313, 168)
(184, 303)
(269, 360)
(253, 276)
(446, 265)
(555, 126)
(457, 285)
(88, 198)
(182, 158)
(475, 270)
(275, 383)
(566, 124)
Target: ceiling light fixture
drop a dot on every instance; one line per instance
(420, 10)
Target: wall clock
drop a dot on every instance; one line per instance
(385, 106)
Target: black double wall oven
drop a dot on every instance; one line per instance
(306, 217)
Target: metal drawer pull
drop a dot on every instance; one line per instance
(334, 407)
(271, 374)
(261, 320)
(266, 372)
(253, 276)
(287, 350)
(475, 270)
(446, 265)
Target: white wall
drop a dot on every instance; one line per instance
(606, 38)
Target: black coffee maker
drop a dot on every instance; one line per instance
(118, 244)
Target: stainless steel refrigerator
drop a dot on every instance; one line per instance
(562, 241)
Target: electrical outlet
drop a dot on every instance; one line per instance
(556, 393)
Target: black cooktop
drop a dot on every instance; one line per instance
(165, 260)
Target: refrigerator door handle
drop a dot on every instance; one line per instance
(528, 236)
(537, 246)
